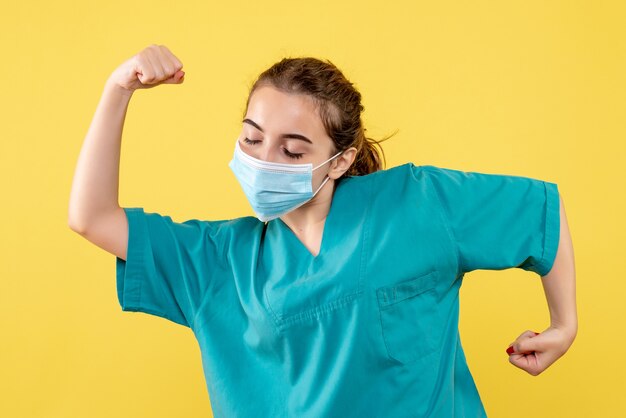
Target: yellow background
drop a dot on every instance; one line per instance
(529, 88)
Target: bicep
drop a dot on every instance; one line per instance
(564, 260)
(170, 266)
(500, 221)
(110, 232)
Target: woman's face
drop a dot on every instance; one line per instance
(284, 128)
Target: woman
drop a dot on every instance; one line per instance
(340, 297)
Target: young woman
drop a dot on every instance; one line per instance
(340, 296)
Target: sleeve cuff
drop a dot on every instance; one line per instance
(552, 229)
(128, 271)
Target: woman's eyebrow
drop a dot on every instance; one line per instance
(294, 136)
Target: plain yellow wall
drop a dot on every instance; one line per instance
(528, 88)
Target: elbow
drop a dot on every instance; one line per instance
(75, 226)
(75, 222)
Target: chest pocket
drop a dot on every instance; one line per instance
(409, 317)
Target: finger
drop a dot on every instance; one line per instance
(527, 333)
(170, 64)
(137, 67)
(172, 58)
(165, 59)
(158, 73)
(519, 337)
(176, 78)
(523, 343)
(527, 362)
(529, 344)
(143, 69)
(524, 360)
(148, 69)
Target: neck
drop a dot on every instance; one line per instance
(313, 212)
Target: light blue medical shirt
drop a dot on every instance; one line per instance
(369, 326)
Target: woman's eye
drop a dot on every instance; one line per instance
(287, 153)
(292, 155)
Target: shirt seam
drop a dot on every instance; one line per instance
(447, 224)
(365, 250)
(552, 209)
(140, 241)
(225, 263)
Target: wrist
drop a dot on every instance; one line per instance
(570, 329)
(111, 87)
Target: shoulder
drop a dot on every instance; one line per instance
(434, 172)
(380, 177)
(402, 183)
(410, 182)
(400, 175)
(454, 178)
(232, 226)
(192, 228)
(230, 236)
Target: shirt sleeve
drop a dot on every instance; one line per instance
(170, 267)
(499, 221)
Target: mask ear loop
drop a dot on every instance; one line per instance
(334, 156)
(321, 185)
(318, 189)
(327, 178)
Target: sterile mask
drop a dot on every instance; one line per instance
(273, 189)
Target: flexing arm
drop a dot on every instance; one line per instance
(535, 353)
(94, 211)
(96, 178)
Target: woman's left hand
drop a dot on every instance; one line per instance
(535, 352)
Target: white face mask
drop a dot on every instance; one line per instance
(273, 189)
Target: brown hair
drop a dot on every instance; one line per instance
(338, 103)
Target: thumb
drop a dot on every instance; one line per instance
(526, 344)
(177, 78)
